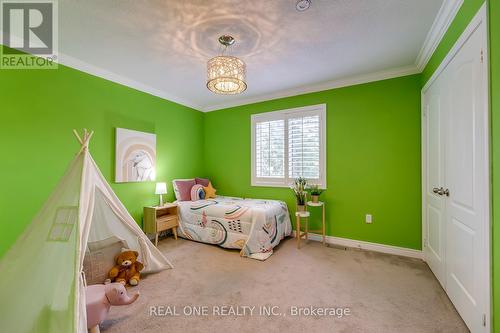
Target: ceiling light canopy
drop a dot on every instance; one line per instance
(225, 73)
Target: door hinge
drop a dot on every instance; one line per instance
(484, 320)
(482, 56)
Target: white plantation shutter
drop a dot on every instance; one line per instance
(270, 149)
(289, 144)
(304, 147)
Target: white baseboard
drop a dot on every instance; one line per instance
(376, 247)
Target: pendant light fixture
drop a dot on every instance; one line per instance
(226, 73)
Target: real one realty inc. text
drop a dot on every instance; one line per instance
(247, 310)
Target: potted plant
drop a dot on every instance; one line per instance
(315, 192)
(299, 189)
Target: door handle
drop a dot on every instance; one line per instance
(438, 190)
(441, 191)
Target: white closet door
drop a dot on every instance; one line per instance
(434, 209)
(466, 172)
(456, 176)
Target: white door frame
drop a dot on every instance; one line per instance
(478, 22)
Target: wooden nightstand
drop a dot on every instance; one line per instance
(158, 219)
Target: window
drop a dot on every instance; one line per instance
(288, 144)
(64, 221)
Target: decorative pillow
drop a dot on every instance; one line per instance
(209, 191)
(202, 181)
(197, 192)
(182, 189)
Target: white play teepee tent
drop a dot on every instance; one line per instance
(42, 285)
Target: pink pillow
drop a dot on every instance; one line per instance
(184, 188)
(202, 181)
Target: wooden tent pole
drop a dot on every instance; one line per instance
(77, 136)
(86, 138)
(89, 136)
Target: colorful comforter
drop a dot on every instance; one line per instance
(254, 226)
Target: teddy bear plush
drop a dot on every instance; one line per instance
(127, 268)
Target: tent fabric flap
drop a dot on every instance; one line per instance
(110, 212)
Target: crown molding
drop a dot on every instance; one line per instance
(85, 67)
(475, 22)
(444, 18)
(334, 84)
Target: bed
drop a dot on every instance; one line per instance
(253, 226)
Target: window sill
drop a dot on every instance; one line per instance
(260, 184)
(264, 184)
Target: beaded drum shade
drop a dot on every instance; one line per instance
(226, 74)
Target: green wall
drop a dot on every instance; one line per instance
(373, 158)
(38, 110)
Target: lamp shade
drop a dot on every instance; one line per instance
(225, 73)
(161, 188)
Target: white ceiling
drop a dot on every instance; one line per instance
(162, 46)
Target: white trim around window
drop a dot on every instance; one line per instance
(278, 127)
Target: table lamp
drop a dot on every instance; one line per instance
(161, 188)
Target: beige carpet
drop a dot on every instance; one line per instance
(383, 293)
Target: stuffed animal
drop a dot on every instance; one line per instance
(99, 299)
(127, 268)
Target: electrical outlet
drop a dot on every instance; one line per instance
(368, 218)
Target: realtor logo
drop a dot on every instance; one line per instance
(29, 34)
